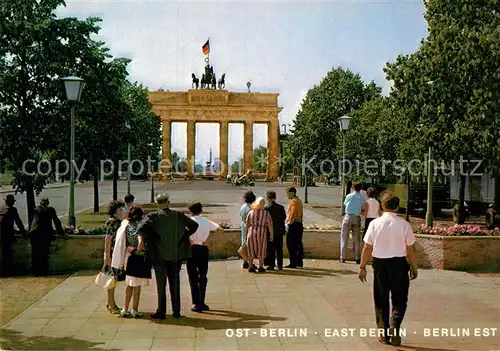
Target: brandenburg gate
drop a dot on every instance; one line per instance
(222, 107)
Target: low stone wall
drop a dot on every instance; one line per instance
(459, 253)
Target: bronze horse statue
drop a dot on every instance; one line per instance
(196, 81)
(208, 79)
(222, 82)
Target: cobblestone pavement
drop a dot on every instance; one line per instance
(320, 307)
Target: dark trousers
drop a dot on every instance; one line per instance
(168, 270)
(367, 223)
(7, 260)
(275, 251)
(391, 277)
(197, 268)
(294, 244)
(40, 250)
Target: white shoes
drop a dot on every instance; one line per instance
(124, 313)
(135, 314)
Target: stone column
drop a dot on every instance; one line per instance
(223, 149)
(273, 150)
(248, 147)
(166, 148)
(190, 148)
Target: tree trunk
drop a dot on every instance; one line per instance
(96, 189)
(348, 187)
(115, 180)
(30, 201)
(461, 200)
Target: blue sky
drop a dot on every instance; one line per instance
(280, 46)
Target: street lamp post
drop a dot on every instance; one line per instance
(129, 160)
(73, 87)
(430, 180)
(344, 126)
(306, 198)
(152, 200)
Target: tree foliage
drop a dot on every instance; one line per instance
(37, 49)
(450, 86)
(316, 128)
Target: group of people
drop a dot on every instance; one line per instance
(40, 234)
(264, 226)
(162, 240)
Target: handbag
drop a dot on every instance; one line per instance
(243, 251)
(105, 281)
(138, 266)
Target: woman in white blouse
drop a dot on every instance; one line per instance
(372, 208)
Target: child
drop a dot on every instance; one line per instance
(197, 265)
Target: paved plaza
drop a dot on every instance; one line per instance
(207, 192)
(307, 306)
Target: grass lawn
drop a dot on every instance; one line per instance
(5, 178)
(19, 293)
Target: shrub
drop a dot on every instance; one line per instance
(457, 230)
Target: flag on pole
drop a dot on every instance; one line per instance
(206, 48)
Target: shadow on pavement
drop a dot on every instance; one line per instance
(242, 320)
(418, 348)
(13, 340)
(309, 272)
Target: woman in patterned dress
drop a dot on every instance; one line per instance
(115, 209)
(258, 225)
(245, 209)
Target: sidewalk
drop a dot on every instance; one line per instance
(320, 307)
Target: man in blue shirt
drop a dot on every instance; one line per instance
(354, 205)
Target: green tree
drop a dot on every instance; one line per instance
(237, 166)
(449, 87)
(36, 49)
(316, 128)
(373, 140)
(145, 134)
(260, 159)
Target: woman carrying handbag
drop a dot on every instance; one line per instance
(133, 262)
(108, 276)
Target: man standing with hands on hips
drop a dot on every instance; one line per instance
(390, 241)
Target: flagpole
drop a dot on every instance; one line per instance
(208, 51)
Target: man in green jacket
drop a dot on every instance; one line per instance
(165, 234)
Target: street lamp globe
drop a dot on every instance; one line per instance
(74, 87)
(344, 123)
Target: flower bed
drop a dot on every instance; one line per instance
(321, 227)
(457, 230)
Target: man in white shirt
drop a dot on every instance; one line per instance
(390, 241)
(197, 265)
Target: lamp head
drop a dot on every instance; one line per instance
(344, 123)
(73, 87)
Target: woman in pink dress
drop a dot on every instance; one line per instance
(258, 226)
